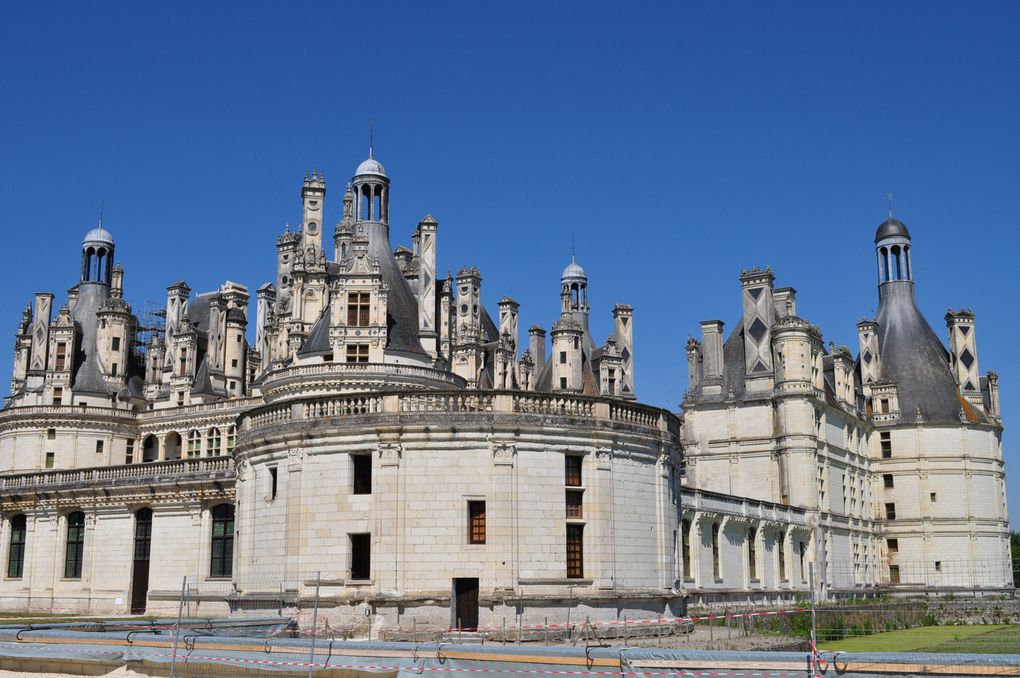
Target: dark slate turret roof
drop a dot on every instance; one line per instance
(914, 357)
(891, 228)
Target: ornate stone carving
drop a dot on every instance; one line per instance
(389, 454)
(503, 452)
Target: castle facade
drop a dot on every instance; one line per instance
(388, 439)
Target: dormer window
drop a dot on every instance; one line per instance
(357, 309)
(357, 353)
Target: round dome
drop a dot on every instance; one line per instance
(573, 271)
(891, 228)
(370, 166)
(98, 235)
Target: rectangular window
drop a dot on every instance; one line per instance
(574, 504)
(75, 545)
(716, 563)
(886, 441)
(887, 480)
(272, 482)
(933, 497)
(894, 574)
(752, 554)
(16, 553)
(885, 405)
(362, 464)
(357, 309)
(563, 382)
(803, 556)
(51, 434)
(563, 357)
(685, 546)
(129, 453)
(58, 395)
(575, 551)
(113, 370)
(893, 545)
(222, 561)
(938, 565)
(572, 470)
(61, 360)
(115, 343)
(183, 367)
(49, 460)
(476, 521)
(890, 511)
(361, 556)
(233, 363)
(781, 548)
(99, 447)
(357, 353)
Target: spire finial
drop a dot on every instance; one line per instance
(573, 252)
(371, 136)
(102, 205)
(889, 195)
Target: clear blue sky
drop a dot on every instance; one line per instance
(678, 143)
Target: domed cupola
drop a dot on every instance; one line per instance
(574, 290)
(371, 191)
(892, 245)
(97, 256)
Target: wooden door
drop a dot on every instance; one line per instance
(466, 605)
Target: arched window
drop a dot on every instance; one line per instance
(194, 443)
(231, 438)
(16, 553)
(172, 446)
(884, 253)
(75, 545)
(906, 261)
(212, 442)
(143, 533)
(150, 449)
(896, 262)
(222, 561)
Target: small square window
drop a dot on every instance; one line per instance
(233, 363)
(887, 480)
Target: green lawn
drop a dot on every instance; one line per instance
(990, 639)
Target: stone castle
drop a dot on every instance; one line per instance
(391, 439)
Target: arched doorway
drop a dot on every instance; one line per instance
(140, 560)
(150, 449)
(172, 446)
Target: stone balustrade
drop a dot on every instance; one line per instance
(149, 472)
(407, 404)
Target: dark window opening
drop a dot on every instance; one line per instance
(781, 544)
(272, 482)
(893, 545)
(357, 309)
(361, 556)
(75, 545)
(752, 553)
(894, 574)
(16, 553)
(49, 459)
(99, 447)
(574, 504)
(51, 434)
(716, 565)
(886, 441)
(887, 480)
(58, 395)
(803, 554)
(563, 357)
(115, 344)
(143, 533)
(572, 468)
(61, 360)
(222, 561)
(890, 511)
(575, 551)
(476, 519)
(362, 473)
(357, 353)
(685, 546)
